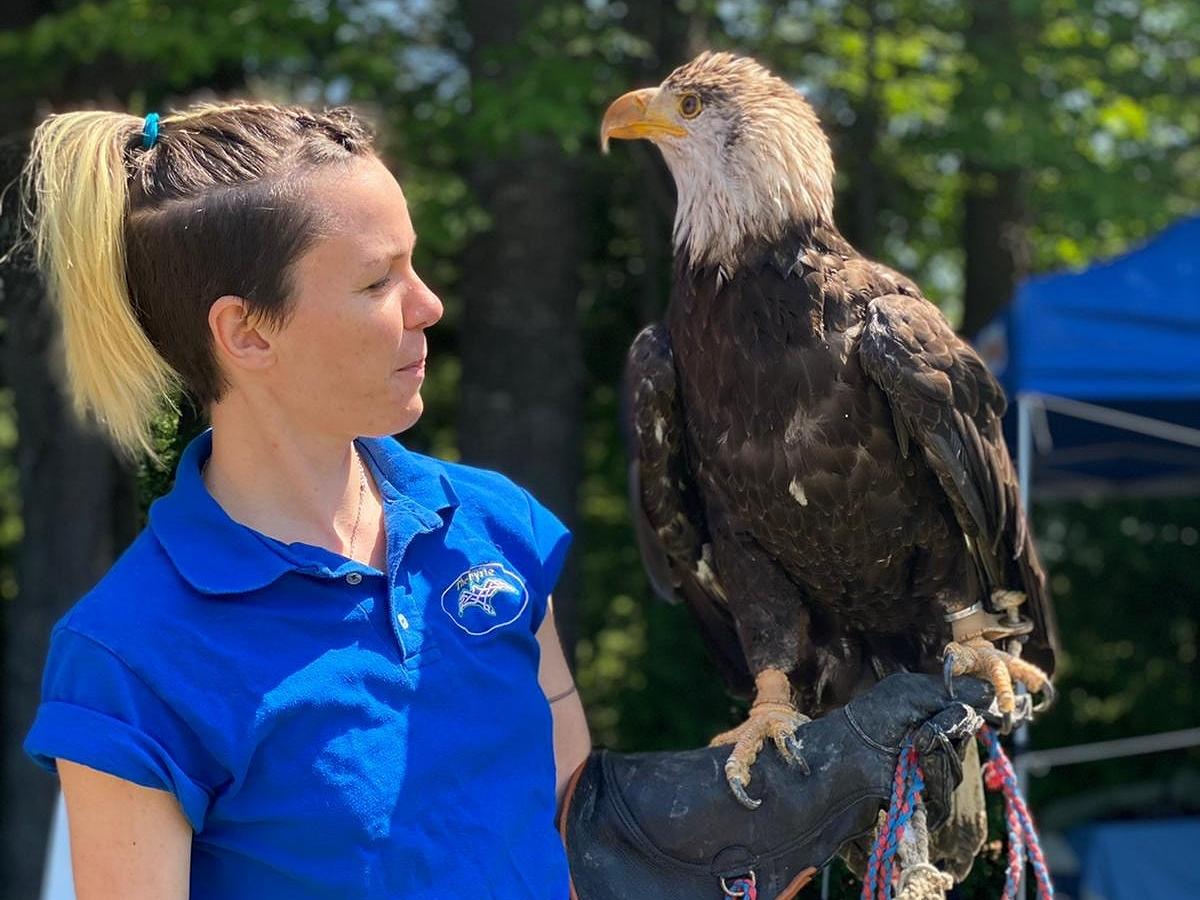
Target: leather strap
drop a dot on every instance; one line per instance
(566, 805)
(794, 886)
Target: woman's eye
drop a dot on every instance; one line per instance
(380, 284)
(689, 106)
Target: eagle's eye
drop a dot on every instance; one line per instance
(690, 106)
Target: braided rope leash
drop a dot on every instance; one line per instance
(903, 825)
(907, 784)
(998, 775)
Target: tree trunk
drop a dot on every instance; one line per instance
(861, 143)
(993, 243)
(78, 510)
(993, 234)
(522, 372)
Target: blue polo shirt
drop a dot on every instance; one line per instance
(330, 730)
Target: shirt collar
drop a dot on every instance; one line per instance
(217, 555)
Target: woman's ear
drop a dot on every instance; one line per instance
(238, 338)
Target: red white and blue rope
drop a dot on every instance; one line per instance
(882, 868)
(998, 775)
(906, 788)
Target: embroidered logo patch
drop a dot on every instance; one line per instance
(485, 598)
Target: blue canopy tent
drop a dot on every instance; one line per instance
(1132, 860)
(1102, 368)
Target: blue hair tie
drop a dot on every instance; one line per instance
(150, 131)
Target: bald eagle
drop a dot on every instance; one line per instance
(817, 464)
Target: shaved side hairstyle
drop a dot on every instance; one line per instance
(136, 243)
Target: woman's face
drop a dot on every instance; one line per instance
(351, 358)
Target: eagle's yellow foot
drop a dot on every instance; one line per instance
(771, 715)
(981, 657)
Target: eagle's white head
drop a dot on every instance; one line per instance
(746, 150)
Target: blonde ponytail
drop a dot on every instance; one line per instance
(76, 194)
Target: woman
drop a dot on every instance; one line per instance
(328, 666)
(219, 680)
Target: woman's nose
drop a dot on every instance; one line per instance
(424, 309)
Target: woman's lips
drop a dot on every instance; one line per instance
(415, 368)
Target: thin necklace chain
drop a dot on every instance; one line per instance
(362, 493)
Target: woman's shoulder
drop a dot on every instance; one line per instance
(141, 586)
(472, 485)
(471, 481)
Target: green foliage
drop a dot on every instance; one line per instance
(1123, 575)
(1093, 100)
(11, 529)
(174, 44)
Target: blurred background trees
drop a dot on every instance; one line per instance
(977, 142)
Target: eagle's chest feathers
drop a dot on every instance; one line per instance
(790, 437)
(769, 363)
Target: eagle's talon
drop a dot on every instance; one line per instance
(772, 715)
(979, 656)
(1049, 695)
(948, 674)
(737, 784)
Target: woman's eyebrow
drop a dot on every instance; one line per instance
(389, 255)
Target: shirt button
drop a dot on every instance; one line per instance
(354, 578)
(403, 620)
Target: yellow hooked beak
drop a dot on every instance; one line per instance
(630, 117)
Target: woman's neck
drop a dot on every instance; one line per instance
(294, 484)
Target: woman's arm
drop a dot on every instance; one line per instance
(572, 743)
(128, 842)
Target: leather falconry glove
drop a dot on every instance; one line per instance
(665, 825)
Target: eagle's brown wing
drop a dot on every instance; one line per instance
(667, 512)
(947, 406)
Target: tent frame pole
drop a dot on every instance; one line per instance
(1024, 476)
(1114, 418)
(1024, 447)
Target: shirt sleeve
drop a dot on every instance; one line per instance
(97, 712)
(551, 540)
